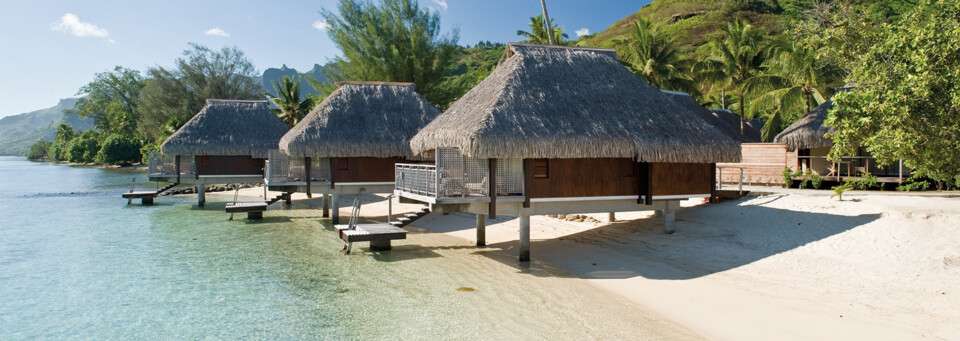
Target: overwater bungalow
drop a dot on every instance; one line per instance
(557, 130)
(350, 142)
(225, 143)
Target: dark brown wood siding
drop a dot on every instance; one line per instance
(615, 177)
(682, 178)
(584, 178)
(229, 165)
(365, 169)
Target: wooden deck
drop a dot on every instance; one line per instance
(254, 210)
(379, 235)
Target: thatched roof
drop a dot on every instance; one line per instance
(562, 102)
(360, 119)
(809, 131)
(228, 127)
(725, 121)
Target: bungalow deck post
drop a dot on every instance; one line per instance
(524, 237)
(326, 205)
(201, 197)
(176, 166)
(335, 203)
(492, 190)
(481, 230)
(612, 217)
(307, 170)
(669, 217)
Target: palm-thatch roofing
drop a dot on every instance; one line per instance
(754, 124)
(361, 119)
(725, 121)
(809, 131)
(563, 102)
(228, 127)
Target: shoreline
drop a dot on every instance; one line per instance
(745, 269)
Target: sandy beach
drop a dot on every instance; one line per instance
(774, 266)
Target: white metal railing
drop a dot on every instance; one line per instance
(457, 176)
(165, 164)
(282, 168)
(416, 178)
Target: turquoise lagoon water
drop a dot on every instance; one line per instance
(77, 263)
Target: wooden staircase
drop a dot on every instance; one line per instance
(408, 218)
(167, 187)
(278, 197)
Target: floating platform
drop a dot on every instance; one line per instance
(254, 210)
(379, 235)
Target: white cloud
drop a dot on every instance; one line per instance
(441, 3)
(72, 25)
(582, 32)
(111, 41)
(216, 31)
(321, 25)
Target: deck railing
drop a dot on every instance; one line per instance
(165, 164)
(283, 168)
(852, 166)
(416, 178)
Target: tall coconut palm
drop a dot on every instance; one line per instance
(796, 79)
(737, 57)
(292, 109)
(538, 32)
(651, 54)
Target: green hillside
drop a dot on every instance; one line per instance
(695, 22)
(18, 132)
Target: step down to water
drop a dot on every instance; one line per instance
(146, 197)
(408, 218)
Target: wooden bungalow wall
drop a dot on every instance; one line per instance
(615, 177)
(763, 164)
(365, 169)
(228, 165)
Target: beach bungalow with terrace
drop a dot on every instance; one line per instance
(350, 143)
(556, 130)
(225, 143)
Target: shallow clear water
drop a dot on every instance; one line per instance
(76, 262)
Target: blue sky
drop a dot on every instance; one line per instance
(49, 49)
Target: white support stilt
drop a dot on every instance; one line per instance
(524, 238)
(335, 207)
(669, 217)
(201, 195)
(481, 230)
(613, 217)
(326, 205)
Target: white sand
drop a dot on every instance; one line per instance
(783, 267)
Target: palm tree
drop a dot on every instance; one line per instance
(796, 79)
(649, 53)
(292, 109)
(538, 32)
(738, 57)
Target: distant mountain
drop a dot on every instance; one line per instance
(276, 75)
(18, 132)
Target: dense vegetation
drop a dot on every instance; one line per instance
(772, 60)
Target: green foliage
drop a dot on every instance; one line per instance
(117, 149)
(839, 190)
(738, 57)
(112, 100)
(912, 186)
(806, 178)
(38, 150)
(651, 54)
(787, 175)
(907, 106)
(538, 32)
(291, 108)
(816, 180)
(395, 41)
(146, 149)
(180, 92)
(474, 65)
(58, 150)
(866, 182)
(84, 148)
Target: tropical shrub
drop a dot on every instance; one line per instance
(787, 177)
(912, 186)
(806, 178)
(866, 182)
(838, 191)
(117, 149)
(84, 148)
(38, 150)
(816, 180)
(146, 149)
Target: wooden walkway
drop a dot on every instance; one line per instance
(146, 197)
(254, 210)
